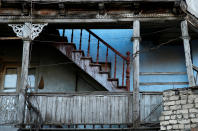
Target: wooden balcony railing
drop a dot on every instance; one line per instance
(125, 59)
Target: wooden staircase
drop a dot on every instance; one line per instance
(99, 71)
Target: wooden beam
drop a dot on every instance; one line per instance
(24, 80)
(136, 95)
(186, 38)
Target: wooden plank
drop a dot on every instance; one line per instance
(162, 73)
(189, 67)
(162, 83)
(136, 103)
(24, 78)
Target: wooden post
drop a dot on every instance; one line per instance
(136, 102)
(186, 38)
(24, 79)
(27, 32)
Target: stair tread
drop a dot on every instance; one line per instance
(122, 87)
(94, 64)
(112, 79)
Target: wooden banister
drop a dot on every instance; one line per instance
(105, 43)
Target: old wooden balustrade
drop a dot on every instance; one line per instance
(125, 59)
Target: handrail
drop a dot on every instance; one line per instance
(105, 43)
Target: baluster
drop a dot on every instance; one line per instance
(106, 59)
(80, 39)
(97, 58)
(128, 71)
(115, 66)
(123, 72)
(88, 50)
(72, 35)
(63, 33)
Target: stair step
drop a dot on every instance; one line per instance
(105, 72)
(112, 79)
(86, 58)
(122, 87)
(79, 51)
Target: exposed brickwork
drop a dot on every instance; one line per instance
(180, 110)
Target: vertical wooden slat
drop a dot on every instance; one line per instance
(128, 71)
(97, 58)
(106, 61)
(115, 62)
(88, 49)
(72, 35)
(80, 45)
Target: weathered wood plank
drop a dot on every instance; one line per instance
(80, 109)
(189, 67)
(136, 42)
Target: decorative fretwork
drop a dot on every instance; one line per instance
(27, 30)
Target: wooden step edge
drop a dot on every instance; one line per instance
(86, 58)
(79, 51)
(94, 64)
(112, 79)
(122, 87)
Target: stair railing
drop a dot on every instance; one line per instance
(126, 59)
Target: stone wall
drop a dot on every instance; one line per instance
(180, 109)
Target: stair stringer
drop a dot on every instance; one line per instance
(93, 71)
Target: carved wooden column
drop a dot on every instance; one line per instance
(136, 101)
(186, 38)
(27, 32)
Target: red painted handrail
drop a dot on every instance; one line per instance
(105, 43)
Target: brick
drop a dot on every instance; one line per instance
(169, 127)
(173, 98)
(183, 101)
(164, 123)
(173, 121)
(196, 105)
(166, 108)
(161, 118)
(169, 93)
(178, 102)
(185, 116)
(196, 100)
(175, 126)
(187, 126)
(193, 125)
(183, 97)
(193, 110)
(179, 116)
(181, 126)
(173, 117)
(184, 121)
(187, 106)
(167, 117)
(169, 103)
(163, 128)
(167, 113)
(194, 120)
(175, 107)
(192, 115)
(182, 111)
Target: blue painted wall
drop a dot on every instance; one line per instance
(168, 58)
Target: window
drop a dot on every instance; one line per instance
(10, 80)
(31, 77)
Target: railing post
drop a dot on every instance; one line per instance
(88, 49)
(97, 58)
(128, 71)
(115, 66)
(80, 39)
(106, 59)
(72, 35)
